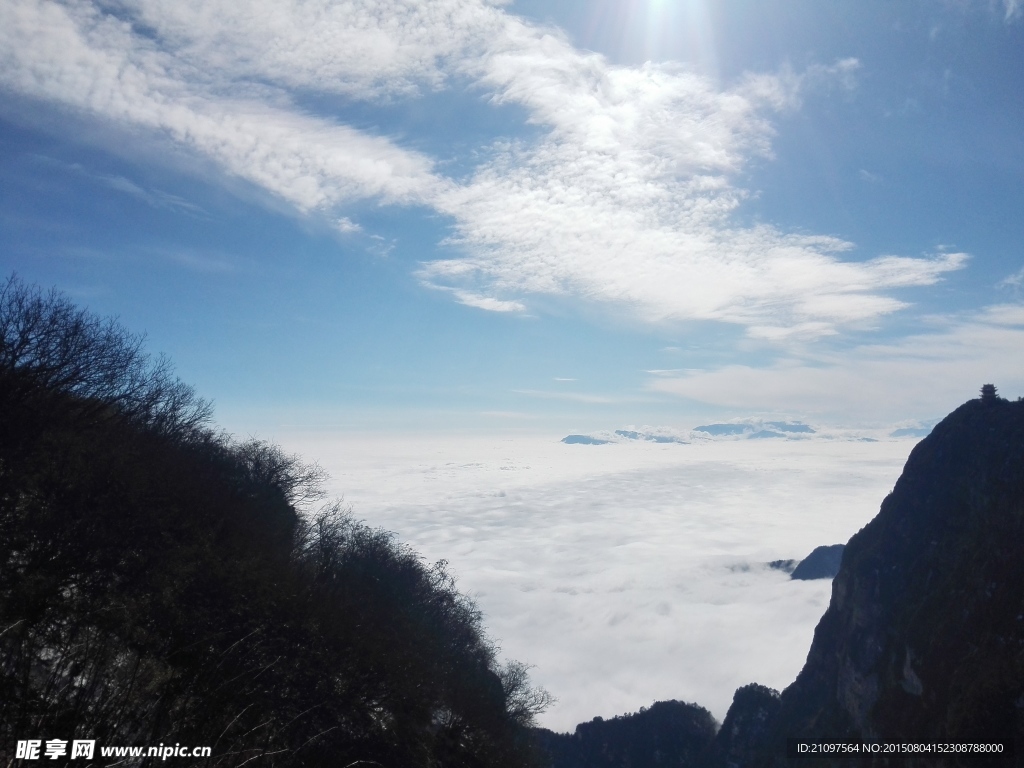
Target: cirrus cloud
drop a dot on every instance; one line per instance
(626, 198)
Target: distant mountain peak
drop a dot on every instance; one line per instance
(756, 429)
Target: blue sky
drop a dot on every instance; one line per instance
(530, 215)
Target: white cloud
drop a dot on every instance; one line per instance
(1012, 9)
(346, 226)
(626, 198)
(489, 303)
(918, 376)
(366, 49)
(625, 572)
(82, 58)
(1014, 281)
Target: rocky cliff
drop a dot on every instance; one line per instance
(924, 637)
(923, 640)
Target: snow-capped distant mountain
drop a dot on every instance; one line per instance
(756, 429)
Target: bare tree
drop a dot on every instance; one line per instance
(162, 582)
(48, 345)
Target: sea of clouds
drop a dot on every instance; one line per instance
(627, 572)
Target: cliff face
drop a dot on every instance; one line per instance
(924, 635)
(923, 640)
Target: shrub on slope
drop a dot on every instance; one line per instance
(160, 582)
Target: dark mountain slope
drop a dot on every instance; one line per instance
(924, 637)
(162, 583)
(753, 711)
(923, 640)
(668, 734)
(822, 563)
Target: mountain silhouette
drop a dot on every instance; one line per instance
(923, 639)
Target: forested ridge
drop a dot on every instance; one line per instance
(161, 582)
(668, 734)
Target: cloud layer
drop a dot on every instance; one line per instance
(624, 572)
(624, 199)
